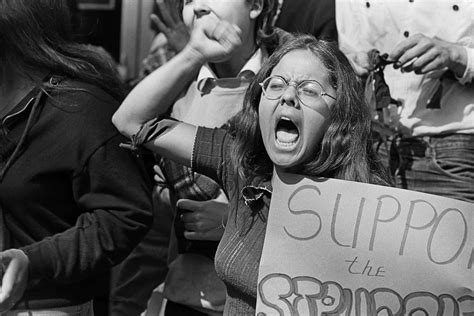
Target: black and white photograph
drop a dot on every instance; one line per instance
(236, 157)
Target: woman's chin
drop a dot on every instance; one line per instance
(285, 155)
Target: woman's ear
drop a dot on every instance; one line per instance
(256, 10)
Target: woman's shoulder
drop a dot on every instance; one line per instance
(83, 107)
(80, 98)
(73, 95)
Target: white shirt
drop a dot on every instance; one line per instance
(210, 101)
(382, 24)
(248, 71)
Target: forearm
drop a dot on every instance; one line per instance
(82, 251)
(156, 93)
(175, 142)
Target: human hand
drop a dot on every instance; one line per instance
(360, 62)
(14, 263)
(214, 40)
(203, 220)
(171, 25)
(423, 54)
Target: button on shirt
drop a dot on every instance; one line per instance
(384, 24)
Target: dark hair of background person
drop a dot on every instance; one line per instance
(265, 29)
(344, 152)
(316, 17)
(39, 35)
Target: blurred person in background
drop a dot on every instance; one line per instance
(428, 46)
(72, 203)
(170, 36)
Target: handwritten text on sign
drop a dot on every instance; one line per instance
(336, 247)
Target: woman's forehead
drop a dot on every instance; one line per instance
(301, 64)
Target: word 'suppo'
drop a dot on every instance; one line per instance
(348, 248)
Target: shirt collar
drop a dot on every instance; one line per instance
(255, 192)
(248, 71)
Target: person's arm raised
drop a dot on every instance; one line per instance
(155, 94)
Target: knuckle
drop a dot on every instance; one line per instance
(199, 226)
(424, 39)
(438, 51)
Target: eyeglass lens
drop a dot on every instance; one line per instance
(308, 91)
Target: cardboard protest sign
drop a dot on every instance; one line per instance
(337, 247)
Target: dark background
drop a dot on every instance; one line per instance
(100, 27)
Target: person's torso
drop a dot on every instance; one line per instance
(238, 255)
(211, 105)
(37, 196)
(36, 192)
(384, 24)
(214, 104)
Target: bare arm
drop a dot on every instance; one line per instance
(176, 142)
(155, 94)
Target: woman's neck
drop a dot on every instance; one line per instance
(232, 67)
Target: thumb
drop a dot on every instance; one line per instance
(361, 63)
(6, 275)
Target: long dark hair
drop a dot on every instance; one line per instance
(37, 34)
(265, 28)
(344, 152)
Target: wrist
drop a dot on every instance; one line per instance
(457, 60)
(193, 56)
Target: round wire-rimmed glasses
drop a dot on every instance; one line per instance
(309, 92)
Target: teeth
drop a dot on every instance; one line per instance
(286, 137)
(286, 134)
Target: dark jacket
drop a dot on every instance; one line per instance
(316, 17)
(72, 200)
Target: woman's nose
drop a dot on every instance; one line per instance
(290, 97)
(201, 8)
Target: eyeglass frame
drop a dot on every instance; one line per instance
(296, 85)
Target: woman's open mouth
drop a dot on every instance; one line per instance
(286, 133)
